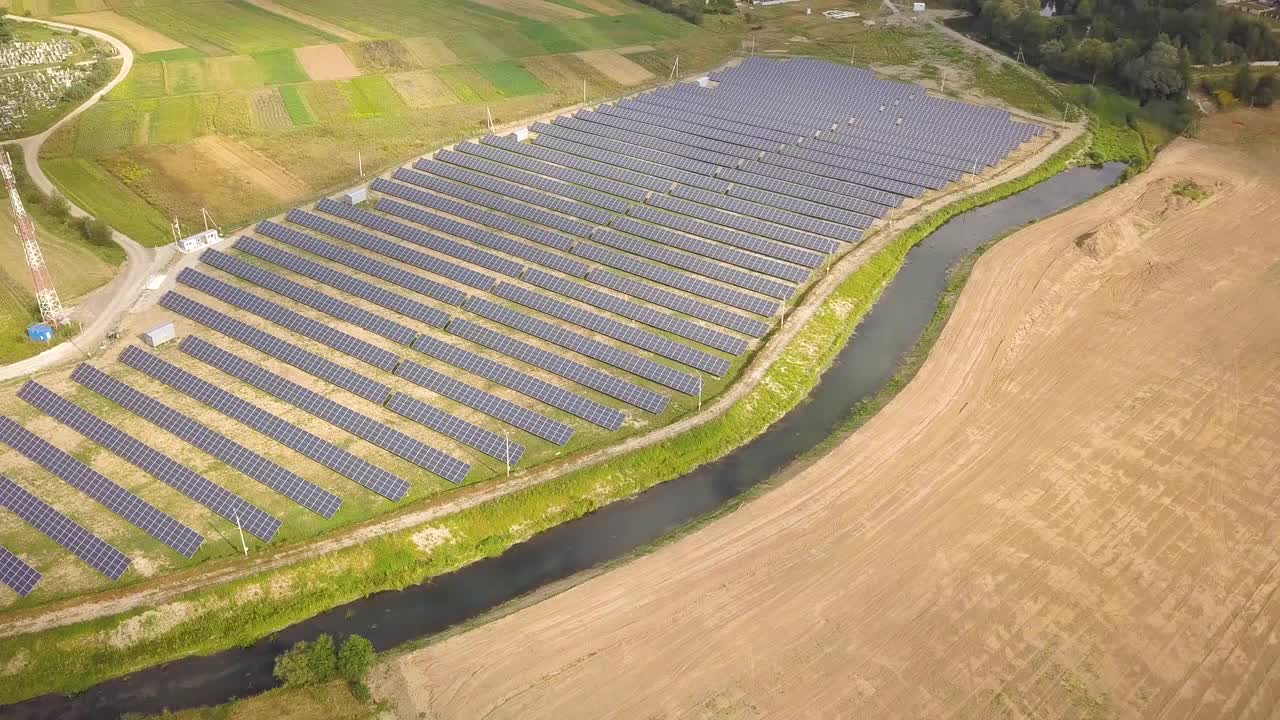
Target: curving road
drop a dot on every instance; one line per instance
(140, 261)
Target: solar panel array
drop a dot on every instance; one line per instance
(62, 530)
(500, 150)
(782, 251)
(506, 189)
(16, 573)
(609, 327)
(489, 443)
(107, 493)
(733, 256)
(680, 303)
(640, 313)
(163, 468)
(589, 410)
(486, 402)
(395, 251)
(334, 413)
(481, 236)
(556, 335)
(291, 436)
(584, 375)
(628, 161)
(363, 263)
(754, 226)
(287, 483)
(487, 199)
(304, 360)
(343, 281)
(557, 187)
(327, 304)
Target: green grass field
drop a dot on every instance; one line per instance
(511, 79)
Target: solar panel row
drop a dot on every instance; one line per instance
(699, 228)
(181, 478)
(804, 192)
(481, 236)
(305, 443)
(589, 410)
(498, 150)
(307, 494)
(645, 104)
(640, 313)
(582, 122)
(556, 335)
(395, 251)
(883, 198)
(680, 303)
(754, 226)
(435, 243)
(507, 172)
(514, 191)
(107, 493)
(574, 162)
(563, 223)
(727, 150)
(60, 529)
(681, 281)
(818, 170)
(16, 573)
(363, 263)
(609, 327)
(669, 156)
(715, 250)
(304, 360)
(552, 141)
(336, 414)
(329, 305)
(798, 221)
(343, 281)
(487, 442)
(801, 207)
(695, 130)
(486, 402)
(584, 375)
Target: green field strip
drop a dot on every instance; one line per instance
(91, 187)
(373, 95)
(163, 55)
(511, 79)
(296, 105)
(175, 120)
(144, 80)
(227, 27)
(279, 67)
(553, 38)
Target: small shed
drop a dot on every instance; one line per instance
(355, 197)
(40, 332)
(521, 134)
(160, 335)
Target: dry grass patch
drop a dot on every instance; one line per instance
(421, 89)
(607, 7)
(634, 49)
(244, 162)
(536, 9)
(139, 37)
(326, 62)
(618, 68)
(430, 51)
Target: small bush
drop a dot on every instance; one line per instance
(355, 659)
(95, 231)
(58, 206)
(1225, 99)
(307, 663)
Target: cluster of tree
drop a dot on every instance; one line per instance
(1147, 48)
(1244, 86)
(99, 74)
(320, 661)
(6, 32)
(54, 207)
(720, 7)
(690, 10)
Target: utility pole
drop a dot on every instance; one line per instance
(699, 389)
(489, 113)
(243, 546)
(360, 159)
(584, 91)
(507, 436)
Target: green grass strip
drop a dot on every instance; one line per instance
(75, 657)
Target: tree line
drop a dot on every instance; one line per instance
(1147, 48)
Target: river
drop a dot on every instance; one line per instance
(389, 619)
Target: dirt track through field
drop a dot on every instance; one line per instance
(138, 36)
(323, 26)
(1070, 512)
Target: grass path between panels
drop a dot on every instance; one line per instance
(75, 657)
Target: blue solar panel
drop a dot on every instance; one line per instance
(62, 530)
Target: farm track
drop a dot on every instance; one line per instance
(140, 262)
(1069, 512)
(165, 589)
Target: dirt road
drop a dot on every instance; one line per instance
(1071, 512)
(115, 299)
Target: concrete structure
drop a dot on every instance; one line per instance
(160, 335)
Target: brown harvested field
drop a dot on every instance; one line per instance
(326, 62)
(421, 89)
(241, 161)
(139, 37)
(1070, 512)
(616, 67)
(309, 20)
(535, 9)
(269, 112)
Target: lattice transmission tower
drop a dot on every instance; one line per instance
(51, 310)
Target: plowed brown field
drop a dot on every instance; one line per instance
(1071, 512)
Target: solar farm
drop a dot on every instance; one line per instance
(501, 304)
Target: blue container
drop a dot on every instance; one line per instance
(40, 332)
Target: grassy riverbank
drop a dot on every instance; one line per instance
(75, 657)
